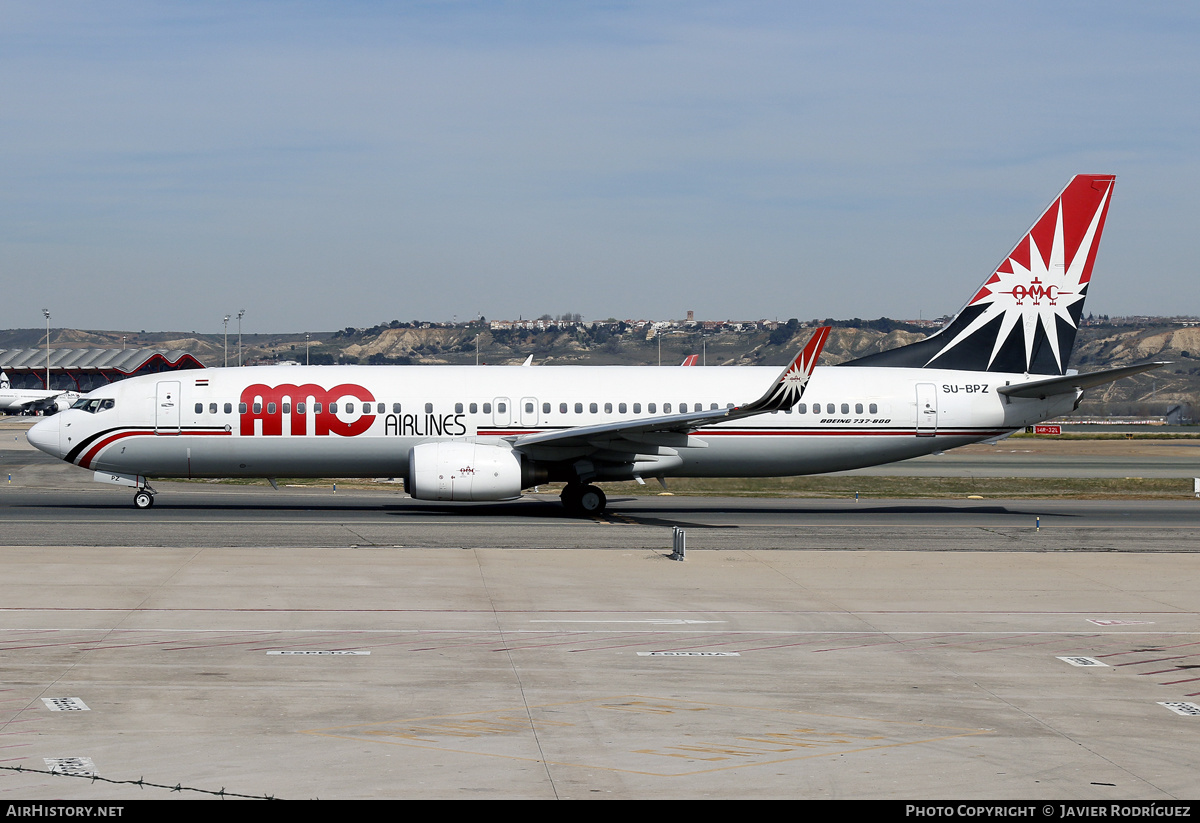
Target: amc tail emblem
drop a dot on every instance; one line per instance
(1037, 292)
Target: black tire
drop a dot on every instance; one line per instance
(591, 501)
(583, 501)
(143, 500)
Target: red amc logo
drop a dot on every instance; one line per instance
(265, 403)
(1036, 292)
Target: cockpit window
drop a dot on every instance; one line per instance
(91, 405)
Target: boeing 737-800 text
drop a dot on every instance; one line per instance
(488, 432)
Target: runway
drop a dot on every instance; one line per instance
(303, 643)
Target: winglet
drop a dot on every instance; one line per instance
(690, 360)
(785, 392)
(788, 388)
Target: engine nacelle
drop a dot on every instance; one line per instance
(457, 470)
(63, 402)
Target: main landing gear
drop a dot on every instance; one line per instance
(144, 498)
(583, 501)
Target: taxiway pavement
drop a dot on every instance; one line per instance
(304, 644)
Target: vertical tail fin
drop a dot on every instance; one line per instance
(1024, 317)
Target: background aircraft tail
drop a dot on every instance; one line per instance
(1024, 317)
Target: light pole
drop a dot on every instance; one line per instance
(306, 348)
(241, 314)
(226, 322)
(47, 313)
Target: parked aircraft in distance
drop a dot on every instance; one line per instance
(475, 433)
(19, 401)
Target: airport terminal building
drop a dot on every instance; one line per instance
(82, 370)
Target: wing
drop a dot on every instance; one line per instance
(674, 430)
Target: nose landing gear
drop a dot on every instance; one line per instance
(143, 498)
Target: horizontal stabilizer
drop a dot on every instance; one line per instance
(1067, 384)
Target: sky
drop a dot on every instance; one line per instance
(333, 164)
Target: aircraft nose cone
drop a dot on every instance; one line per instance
(44, 436)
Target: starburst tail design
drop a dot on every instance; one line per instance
(789, 387)
(1025, 315)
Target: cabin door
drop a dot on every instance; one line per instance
(501, 412)
(529, 414)
(926, 410)
(166, 407)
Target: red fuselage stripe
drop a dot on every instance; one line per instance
(789, 432)
(86, 460)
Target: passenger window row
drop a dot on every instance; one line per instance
(501, 408)
(301, 408)
(833, 408)
(459, 408)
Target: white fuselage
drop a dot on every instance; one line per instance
(265, 422)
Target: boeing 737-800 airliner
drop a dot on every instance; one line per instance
(488, 432)
(20, 401)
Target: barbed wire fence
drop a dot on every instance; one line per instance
(141, 783)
